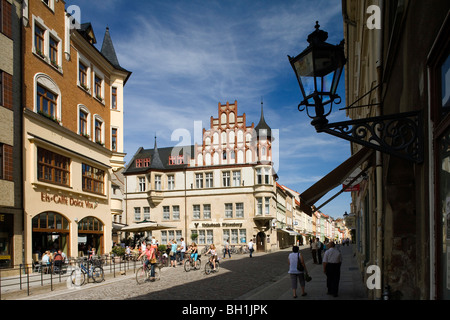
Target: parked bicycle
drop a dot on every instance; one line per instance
(143, 274)
(244, 249)
(189, 263)
(209, 267)
(78, 276)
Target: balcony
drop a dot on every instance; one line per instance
(155, 197)
(263, 221)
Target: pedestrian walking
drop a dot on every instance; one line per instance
(297, 269)
(332, 261)
(250, 247)
(319, 250)
(314, 251)
(226, 248)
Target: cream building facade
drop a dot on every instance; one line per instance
(222, 189)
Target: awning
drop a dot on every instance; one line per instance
(145, 226)
(291, 232)
(332, 179)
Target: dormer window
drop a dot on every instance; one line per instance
(142, 163)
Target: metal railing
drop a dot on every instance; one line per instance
(32, 276)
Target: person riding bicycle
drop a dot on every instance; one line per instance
(213, 258)
(194, 253)
(150, 254)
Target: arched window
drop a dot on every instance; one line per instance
(47, 97)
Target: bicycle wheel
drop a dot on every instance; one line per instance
(199, 264)
(217, 266)
(141, 275)
(208, 268)
(157, 273)
(187, 265)
(78, 277)
(97, 274)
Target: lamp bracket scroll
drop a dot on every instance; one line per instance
(398, 134)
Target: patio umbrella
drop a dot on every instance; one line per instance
(145, 226)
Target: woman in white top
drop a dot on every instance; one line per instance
(295, 273)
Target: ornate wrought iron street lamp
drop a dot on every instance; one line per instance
(318, 70)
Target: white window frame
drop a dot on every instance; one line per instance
(171, 182)
(87, 64)
(45, 81)
(97, 117)
(158, 178)
(46, 45)
(83, 108)
(142, 185)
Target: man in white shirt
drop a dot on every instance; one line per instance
(332, 260)
(250, 247)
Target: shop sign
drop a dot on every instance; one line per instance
(68, 201)
(218, 225)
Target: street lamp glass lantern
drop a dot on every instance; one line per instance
(318, 70)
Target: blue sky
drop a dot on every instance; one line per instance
(186, 56)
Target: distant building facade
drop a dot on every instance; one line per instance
(223, 189)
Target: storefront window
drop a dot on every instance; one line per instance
(90, 235)
(50, 232)
(6, 237)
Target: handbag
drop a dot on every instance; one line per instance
(299, 264)
(307, 277)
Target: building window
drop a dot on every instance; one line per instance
(173, 160)
(46, 102)
(114, 98)
(259, 206)
(176, 212)
(98, 88)
(93, 179)
(258, 176)
(199, 180)
(236, 178)
(142, 163)
(83, 75)
(84, 123)
(157, 182)
(98, 124)
(267, 176)
(206, 211)
(209, 180)
(137, 214)
(53, 168)
(171, 182)
(53, 50)
(166, 213)
(209, 236)
(201, 237)
(267, 205)
(226, 178)
(114, 139)
(142, 186)
(239, 210)
(146, 213)
(228, 210)
(242, 236)
(39, 40)
(196, 211)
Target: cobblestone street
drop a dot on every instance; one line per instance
(263, 277)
